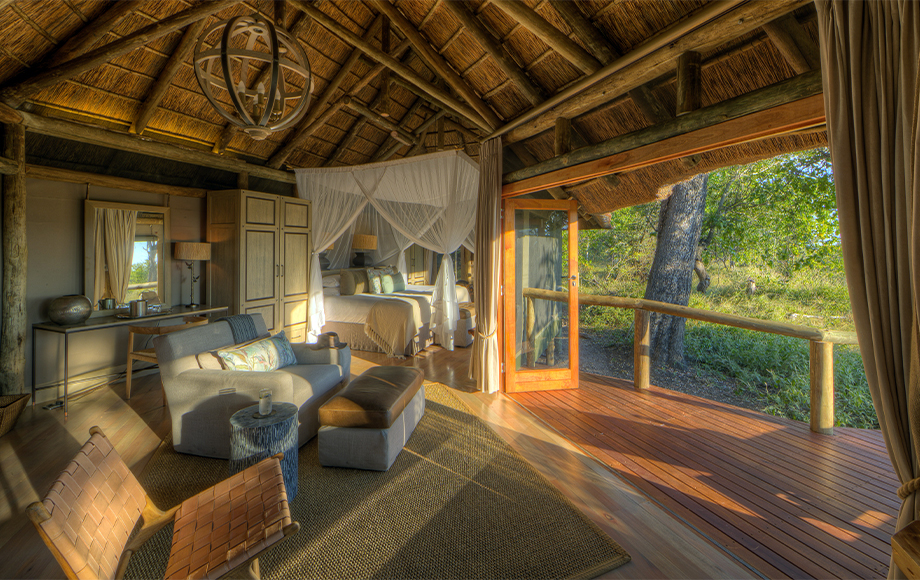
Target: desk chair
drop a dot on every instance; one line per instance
(149, 354)
(88, 516)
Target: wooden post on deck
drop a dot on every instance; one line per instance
(642, 362)
(821, 367)
(530, 325)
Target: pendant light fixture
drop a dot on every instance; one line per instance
(255, 74)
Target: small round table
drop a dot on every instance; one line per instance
(253, 437)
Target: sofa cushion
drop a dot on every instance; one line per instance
(263, 355)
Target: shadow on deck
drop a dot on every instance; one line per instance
(784, 500)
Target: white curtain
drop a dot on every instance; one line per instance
(429, 200)
(485, 362)
(114, 235)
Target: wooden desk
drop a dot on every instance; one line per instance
(100, 322)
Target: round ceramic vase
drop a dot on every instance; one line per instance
(72, 309)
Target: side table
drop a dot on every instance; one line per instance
(253, 437)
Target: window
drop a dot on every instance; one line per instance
(145, 267)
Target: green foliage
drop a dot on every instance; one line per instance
(773, 221)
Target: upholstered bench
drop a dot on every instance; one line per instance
(367, 423)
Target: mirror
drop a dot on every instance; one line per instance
(150, 253)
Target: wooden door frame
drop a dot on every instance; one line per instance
(537, 379)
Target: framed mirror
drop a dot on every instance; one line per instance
(138, 253)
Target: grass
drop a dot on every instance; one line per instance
(773, 368)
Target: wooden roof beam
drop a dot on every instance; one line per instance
(90, 34)
(306, 127)
(606, 53)
(435, 61)
(420, 133)
(711, 25)
(793, 43)
(395, 131)
(794, 89)
(549, 34)
(69, 176)
(388, 143)
(16, 94)
(173, 64)
(144, 146)
(792, 116)
(394, 65)
(499, 54)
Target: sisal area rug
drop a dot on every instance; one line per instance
(457, 503)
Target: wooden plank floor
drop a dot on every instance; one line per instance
(661, 534)
(788, 502)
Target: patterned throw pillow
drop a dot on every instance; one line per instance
(374, 281)
(264, 355)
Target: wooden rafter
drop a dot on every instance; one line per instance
(794, 89)
(308, 125)
(435, 61)
(549, 34)
(79, 42)
(708, 27)
(793, 43)
(15, 95)
(66, 175)
(400, 69)
(389, 143)
(793, 116)
(173, 64)
(501, 57)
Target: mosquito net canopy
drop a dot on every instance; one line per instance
(428, 200)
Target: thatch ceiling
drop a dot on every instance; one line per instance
(42, 39)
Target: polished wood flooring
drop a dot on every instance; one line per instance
(661, 535)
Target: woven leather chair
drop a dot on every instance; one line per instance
(88, 517)
(149, 354)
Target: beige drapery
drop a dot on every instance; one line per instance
(869, 57)
(114, 244)
(485, 364)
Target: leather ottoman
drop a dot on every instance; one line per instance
(367, 423)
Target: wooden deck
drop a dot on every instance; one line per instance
(690, 488)
(784, 500)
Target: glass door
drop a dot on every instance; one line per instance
(540, 241)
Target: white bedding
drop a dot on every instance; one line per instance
(354, 309)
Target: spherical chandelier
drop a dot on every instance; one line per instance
(261, 67)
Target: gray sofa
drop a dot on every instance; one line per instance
(201, 401)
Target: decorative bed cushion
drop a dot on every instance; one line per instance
(386, 283)
(332, 292)
(375, 284)
(331, 281)
(264, 355)
(399, 283)
(353, 282)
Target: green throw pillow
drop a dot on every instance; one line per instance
(386, 283)
(399, 283)
(265, 355)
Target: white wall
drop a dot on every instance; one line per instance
(54, 229)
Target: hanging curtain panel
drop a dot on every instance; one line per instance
(114, 233)
(869, 65)
(429, 200)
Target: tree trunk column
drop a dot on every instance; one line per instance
(15, 259)
(642, 362)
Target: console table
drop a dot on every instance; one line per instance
(100, 322)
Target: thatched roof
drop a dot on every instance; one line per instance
(45, 35)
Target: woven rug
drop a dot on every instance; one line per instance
(457, 503)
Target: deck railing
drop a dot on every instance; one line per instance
(821, 343)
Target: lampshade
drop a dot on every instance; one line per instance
(190, 251)
(364, 242)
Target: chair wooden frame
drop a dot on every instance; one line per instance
(152, 518)
(149, 354)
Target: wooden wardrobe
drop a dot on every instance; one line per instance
(260, 249)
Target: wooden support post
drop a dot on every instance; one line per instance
(15, 260)
(689, 83)
(642, 359)
(563, 137)
(821, 368)
(242, 180)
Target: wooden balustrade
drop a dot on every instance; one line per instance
(821, 343)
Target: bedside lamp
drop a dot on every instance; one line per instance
(192, 252)
(361, 244)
